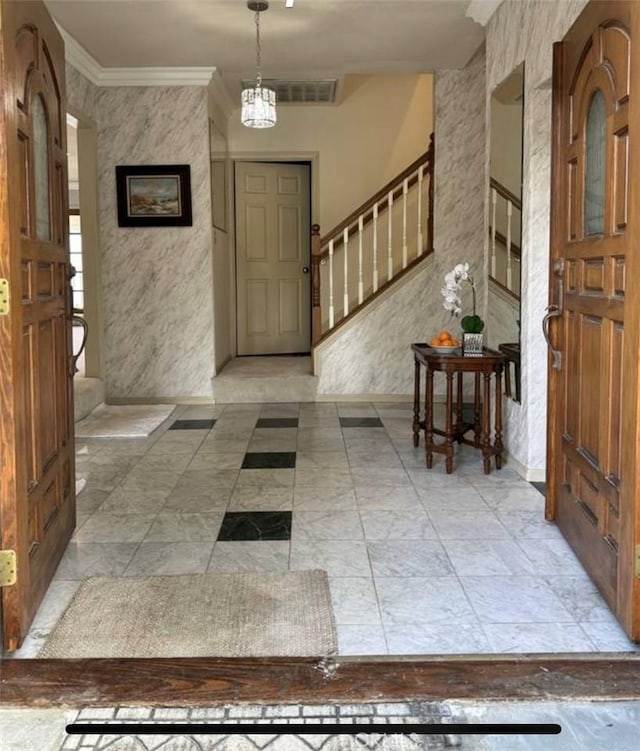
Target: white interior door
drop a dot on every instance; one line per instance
(273, 247)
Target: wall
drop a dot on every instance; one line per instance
(157, 281)
(382, 124)
(221, 252)
(525, 30)
(372, 356)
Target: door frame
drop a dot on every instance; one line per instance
(311, 158)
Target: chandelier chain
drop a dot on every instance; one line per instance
(258, 51)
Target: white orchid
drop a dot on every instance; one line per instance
(451, 293)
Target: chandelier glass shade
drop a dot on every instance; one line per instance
(258, 102)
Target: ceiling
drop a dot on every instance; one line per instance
(314, 39)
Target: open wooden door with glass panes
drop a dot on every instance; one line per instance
(593, 323)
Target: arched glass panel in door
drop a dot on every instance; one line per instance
(594, 168)
(41, 170)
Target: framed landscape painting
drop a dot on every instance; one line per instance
(157, 195)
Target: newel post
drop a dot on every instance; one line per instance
(316, 312)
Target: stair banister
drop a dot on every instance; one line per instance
(413, 241)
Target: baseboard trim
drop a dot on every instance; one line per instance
(161, 400)
(527, 473)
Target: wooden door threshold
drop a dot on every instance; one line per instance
(192, 682)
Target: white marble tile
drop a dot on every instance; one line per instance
(354, 600)
(536, 637)
(423, 600)
(105, 526)
(336, 557)
(529, 525)
(56, 600)
(125, 500)
(609, 637)
(387, 524)
(204, 482)
(510, 498)
(84, 559)
(224, 445)
(386, 458)
(308, 497)
(265, 555)
(464, 499)
(320, 460)
(402, 499)
(487, 557)
(267, 478)
(273, 439)
(461, 525)
(379, 477)
(207, 460)
(582, 598)
(164, 462)
(324, 479)
(408, 558)
(514, 599)
(367, 639)
(436, 639)
(320, 439)
(170, 558)
(326, 525)
(261, 498)
(177, 527)
(552, 557)
(216, 499)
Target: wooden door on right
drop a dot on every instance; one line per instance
(593, 489)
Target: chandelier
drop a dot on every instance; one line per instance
(259, 102)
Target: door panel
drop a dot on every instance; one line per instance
(272, 250)
(37, 473)
(593, 439)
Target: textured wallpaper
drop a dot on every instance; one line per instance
(526, 30)
(157, 281)
(372, 356)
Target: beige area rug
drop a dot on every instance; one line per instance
(126, 421)
(200, 615)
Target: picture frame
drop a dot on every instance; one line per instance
(157, 195)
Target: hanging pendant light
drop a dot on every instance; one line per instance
(259, 102)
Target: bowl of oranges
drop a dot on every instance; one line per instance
(444, 343)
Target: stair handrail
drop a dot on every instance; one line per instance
(505, 193)
(513, 205)
(396, 184)
(325, 246)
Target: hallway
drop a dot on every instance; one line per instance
(419, 562)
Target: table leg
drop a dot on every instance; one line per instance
(448, 442)
(498, 446)
(476, 411)
(428, 418)
(486, 424)
(459, 432)
(416, 402)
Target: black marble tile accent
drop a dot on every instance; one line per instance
(256, 525)
(541, 487)
(277, 422)
(361, 422)
(269, 460)
(193, 425)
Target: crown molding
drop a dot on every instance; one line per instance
(90, 68)
(481, 11)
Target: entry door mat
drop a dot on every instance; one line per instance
(123, 421)
(201, 615)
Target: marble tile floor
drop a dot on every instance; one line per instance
(587, 726)
(419, 562)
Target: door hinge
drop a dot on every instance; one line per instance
(637, 567)
(8, 568)
(4, 297)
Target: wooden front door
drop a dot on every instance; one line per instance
(37, 493)
(593, 464)
(273, 257)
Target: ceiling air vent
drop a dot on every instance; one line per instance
(323, 91)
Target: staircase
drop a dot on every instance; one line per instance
(373, 248)
(504, 228)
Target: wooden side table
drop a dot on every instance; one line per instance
(490, 363)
